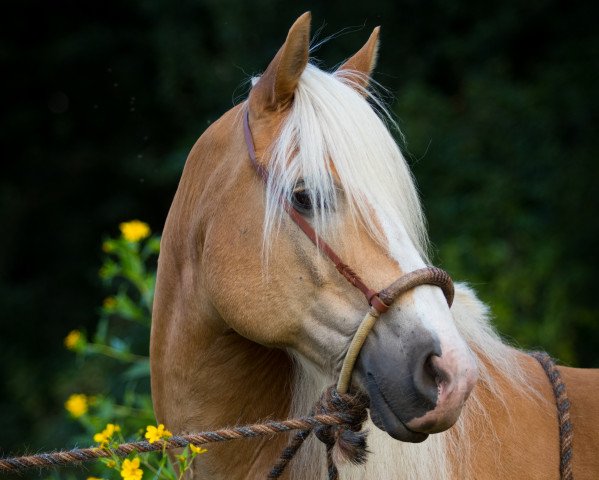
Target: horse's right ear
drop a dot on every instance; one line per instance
(275, 89)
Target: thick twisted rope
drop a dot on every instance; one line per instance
(320, 420)
(566, 433)
(344, 442)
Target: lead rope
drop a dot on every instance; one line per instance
(342, 442)
(79, 455)
(345, 442)
(566, 433)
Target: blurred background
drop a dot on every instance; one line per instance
(102, 101)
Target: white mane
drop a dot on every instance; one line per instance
(331, 125)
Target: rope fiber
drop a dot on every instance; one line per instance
(345, 442)
(566, 433)
(326, 419)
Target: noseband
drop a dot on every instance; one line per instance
(380, 301)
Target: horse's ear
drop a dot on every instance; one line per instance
(274, 90)
(364, 60)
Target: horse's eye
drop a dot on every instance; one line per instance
(301, 200)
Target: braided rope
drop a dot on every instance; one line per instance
(566, 433)
(288, 453)
(305, 424)
(344, 442)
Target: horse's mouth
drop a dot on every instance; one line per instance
(383, 416)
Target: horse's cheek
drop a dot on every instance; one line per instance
(246, 298)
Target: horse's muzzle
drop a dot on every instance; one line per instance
(416, 388)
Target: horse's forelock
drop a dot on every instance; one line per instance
(333, 137)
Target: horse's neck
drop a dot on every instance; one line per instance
(207, 377)
(510, 427)
(247, 383)
(238, 383)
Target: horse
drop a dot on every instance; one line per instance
(251, 321)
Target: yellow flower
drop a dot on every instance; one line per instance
(196, 449)
(134, 231)
(131, 470)
(105, 435)
(110, 463)
(109, 303)
(156, 433)
(94, 478)
(76, 404)
(73, 339)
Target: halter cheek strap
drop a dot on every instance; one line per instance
(379, 301)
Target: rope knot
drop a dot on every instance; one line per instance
(344, 442)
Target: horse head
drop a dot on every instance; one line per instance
(415, 367)
(235, 264)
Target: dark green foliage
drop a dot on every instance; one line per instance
(103, 101)
(505, 165)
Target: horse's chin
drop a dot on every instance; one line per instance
(384, 418)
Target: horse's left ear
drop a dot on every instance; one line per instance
(275, 89)
(364, 60)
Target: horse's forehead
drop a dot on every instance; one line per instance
(266, 130)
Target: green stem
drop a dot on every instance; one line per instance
(111, 352)
(157, 472)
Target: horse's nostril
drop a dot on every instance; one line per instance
(436, 370)
(430, 369)
(427, 377)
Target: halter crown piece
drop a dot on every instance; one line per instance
(351, 442)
